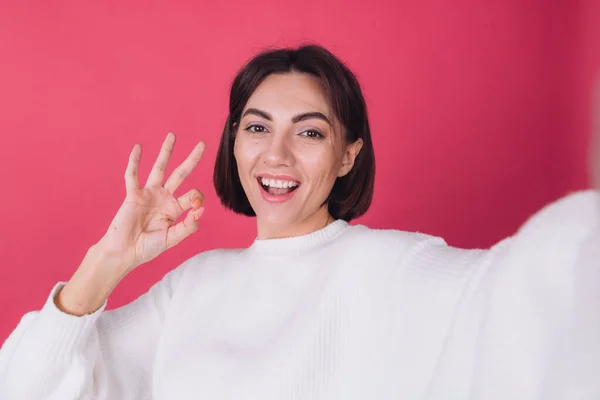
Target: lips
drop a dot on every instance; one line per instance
(277, 188)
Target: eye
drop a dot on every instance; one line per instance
(312, 134)
(256, 128)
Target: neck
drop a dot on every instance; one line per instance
(316, 221)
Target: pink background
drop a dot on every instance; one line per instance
(480, 113)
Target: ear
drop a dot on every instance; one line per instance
(350, 154)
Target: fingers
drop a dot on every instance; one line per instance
(185, 168)
(131, 173)
(157, 173)
(194, 198)
(184, 228)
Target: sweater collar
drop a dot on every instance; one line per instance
(301, 243)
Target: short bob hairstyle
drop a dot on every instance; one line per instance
(351, 194)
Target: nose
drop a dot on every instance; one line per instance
(278, 152)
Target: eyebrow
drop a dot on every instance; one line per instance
(297, 118)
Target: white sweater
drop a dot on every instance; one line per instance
(346, 312)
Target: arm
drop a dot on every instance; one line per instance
(53, 354)
(71, 348)
(540, 335)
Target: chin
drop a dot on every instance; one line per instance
(276, 218)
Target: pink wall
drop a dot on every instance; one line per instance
(479, 111)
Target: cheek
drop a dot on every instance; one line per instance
(236, 155)
(321, 166)
(245, 155)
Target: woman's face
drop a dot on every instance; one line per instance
(289, 151)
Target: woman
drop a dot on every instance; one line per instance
(314, 308)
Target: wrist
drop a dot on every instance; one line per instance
(102, 266)
(97, 255)
(91, 284)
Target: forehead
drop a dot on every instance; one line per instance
(290, 93)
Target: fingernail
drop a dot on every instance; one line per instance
(199, 213)
(197, 203)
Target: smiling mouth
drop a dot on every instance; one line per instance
(276, 187)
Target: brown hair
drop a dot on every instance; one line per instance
(351, 194)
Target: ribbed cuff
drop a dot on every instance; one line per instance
(63, 333)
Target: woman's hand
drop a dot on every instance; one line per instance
(144, 225)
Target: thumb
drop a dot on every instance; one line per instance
(185, 228)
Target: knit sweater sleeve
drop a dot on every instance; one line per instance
(103, 355)
(542, 319)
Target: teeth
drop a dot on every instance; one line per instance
(276, 183)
